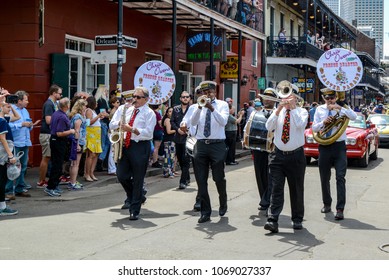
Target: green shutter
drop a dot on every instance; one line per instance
(60, 72)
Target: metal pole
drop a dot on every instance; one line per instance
(174, 35)
(119, 49)
(239, 66)
(211, 51)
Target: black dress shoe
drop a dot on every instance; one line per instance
(262, 208)
(203, 219)
(272, 226)
(222, 210)
(326, 209)
(144, 198)
(182, 186)
(232, 163)
(197, 206)
(297, 225)
(339, 215)
(126, 205)
(134, 217)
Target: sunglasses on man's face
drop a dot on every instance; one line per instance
(139, 97)
(329, 97)
(185, 96)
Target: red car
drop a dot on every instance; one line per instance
(362, 142)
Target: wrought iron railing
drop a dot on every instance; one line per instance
(292, 47)
(243, 11)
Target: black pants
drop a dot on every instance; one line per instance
(261, 168)
(213, 155)
(333, 155)
(184, 161)
(3, 181)
(292, 168)
(58, 146)
(231, 146)
(131, 171)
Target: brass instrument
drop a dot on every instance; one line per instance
(117, 137)
(203, 100)
(284, 90)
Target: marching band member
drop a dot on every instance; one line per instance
(261, 162)
(332, 154)
(288, 160)
(139, 125)
(210, 148)
(191, 131)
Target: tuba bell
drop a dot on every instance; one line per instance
(336, 127)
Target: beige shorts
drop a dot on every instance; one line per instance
(44, 140)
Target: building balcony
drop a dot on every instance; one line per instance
(293, 48)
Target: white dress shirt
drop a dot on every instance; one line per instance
(219, 118)
(321, 115)
(186, 119)
(298, 122)
(144, 122)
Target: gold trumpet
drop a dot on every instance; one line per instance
(203, 100)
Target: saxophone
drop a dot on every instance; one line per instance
(117, 137)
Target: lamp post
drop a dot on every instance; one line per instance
(119, 49)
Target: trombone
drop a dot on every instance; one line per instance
(283, 91)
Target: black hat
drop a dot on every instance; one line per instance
(205, 85)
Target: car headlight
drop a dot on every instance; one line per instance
(351, 141)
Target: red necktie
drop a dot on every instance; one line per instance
(286, 127)
(128, 136)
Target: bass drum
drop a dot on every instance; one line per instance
(256, 136)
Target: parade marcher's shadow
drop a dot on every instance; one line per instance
(349, 223)
(143, 221)
(211, 229)
(300, 240)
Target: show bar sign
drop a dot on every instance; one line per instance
(198, 44)
(300, 83)
(112, 40)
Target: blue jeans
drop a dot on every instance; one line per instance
(19, 183)
(105, 144)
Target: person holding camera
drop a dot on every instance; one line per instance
(21, 134)
(6, 154)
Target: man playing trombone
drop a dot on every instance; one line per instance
(288, 160)
(137, 125)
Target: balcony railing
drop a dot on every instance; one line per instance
(367, 79)
(293, 47)
(244, 12)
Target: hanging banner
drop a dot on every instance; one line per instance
(158, 78)
(229, 68)
(339, 69)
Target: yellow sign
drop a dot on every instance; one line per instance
(229, 68)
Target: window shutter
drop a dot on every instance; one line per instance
(60, 72)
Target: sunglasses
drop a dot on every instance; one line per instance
(139, 97)
(329, 97)
(185, 96)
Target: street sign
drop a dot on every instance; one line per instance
(112, 40)
(261, 83)
(130, 42)
(106, 40)
(106, 57)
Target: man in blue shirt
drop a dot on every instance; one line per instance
(21, 133)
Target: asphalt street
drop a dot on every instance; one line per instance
(89, 224)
